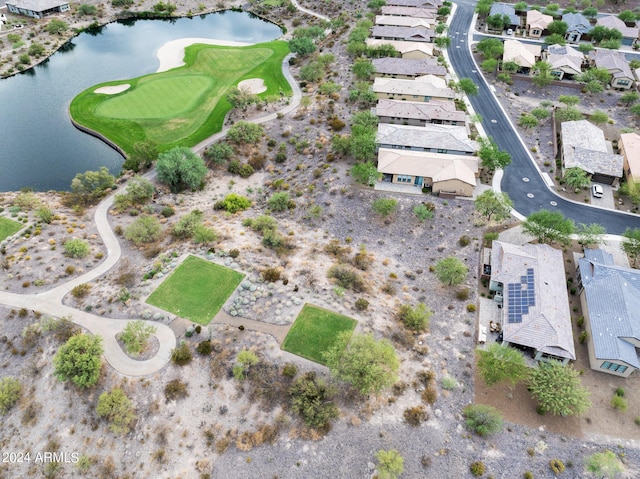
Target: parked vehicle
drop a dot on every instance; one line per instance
(597, 191)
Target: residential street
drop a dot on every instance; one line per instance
(522, 179)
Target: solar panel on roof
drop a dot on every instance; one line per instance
(520, 296)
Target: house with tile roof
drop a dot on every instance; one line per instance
(37, 8)
(529, 282)
(615, 63)
(410, 34)
(440, 173)
(584, 146)
(522, 54)
(409, 50)
(629, 34)
(426, 13)
(565, 61)
(577, 26)
(610, 298)
(444, 139)
(392, 20)
(440, 112)
(424, 88)
(629, 147)
(416, 3)
(406, 68)
(537, 23)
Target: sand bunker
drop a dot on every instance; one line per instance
(112, 90)
(254, 85)
(171, 54)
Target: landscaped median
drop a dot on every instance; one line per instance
(196, 290)
(314, 332)
(184, 105)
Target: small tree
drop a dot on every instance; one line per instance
(143, 155)
(145, 229)
(139, 190)
(549, 227)
(467, 86)
(116, 408)
(76, 248)
(542, 78)
(363, 69)
(181, 168)
(312, 399)
(365, 173)
(558, 27)
(245, 133)
(631, 243)
(385, 206)
(56, 26)
(303, 46)
(590, 234)
(185, 226)
(598, 117)
(492, 157)
(629, 98)
(576, 178)
(558, 389)
(499, 363)
(219, 153)
(79, 360)
(481, 419)
(10, 392)
(604, 465)
(135, 336)
(367, 364)
(568, 114)
(390, 464)
(416, 318)
(491, 204)
(451, 271)
(490, 47)
(569, 100)
(92, 185)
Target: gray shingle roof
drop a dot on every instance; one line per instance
(584, 146)
(546, 325)
(37, 5)
(430, 13)
(505, 9)
(444, 137)
(406, 66)
(403, 33)
(430, 110)
(576, 22)
(612, 294)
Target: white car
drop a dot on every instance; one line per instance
(510, 32)
(597, 191)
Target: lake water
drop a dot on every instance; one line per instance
(39, 147)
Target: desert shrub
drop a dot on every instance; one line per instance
(464, 240)
(462, 294)
(175, 389)
(619, 403)
(619, 392)
(346, 277)
(415, 318)
(135, 336)
(430, 393)
(10, 392)
(246, 170)
(146, 229)
(167, 211)
(81, 291)
(117, 408)
(279, 201)
(234, 253)
(261, 223)
(312, 399)
(76, 248)
(79, 360)
(557, 466)
(583, 337)
(489, 237)
(528, 475)
(362, 260)
(233, 203)
(390, 464)
(45, 214)
(362, 304)
(449, 383)
(385, 206)
(182, 354)
(204, 348)
(271, 275)
(414, 416)
(481, 419)
(257, 161)
(186, 225)
(477, 468)
(204, 235)
(471, 307)
(422, 212)
(290, 370)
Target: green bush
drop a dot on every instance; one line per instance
(477, 468)
(232, 203)
(385, 206)
(481, 419)
(415, 318)
(117, 408)
(619, 403)
(422, 212)
(186, 225)
(204, 348)
(449, 383)
(146, 229)
(390, 464)
(346, 277)
(290, 370)
(45, 214)
(619, 392)
(362, 304)
(182, 354)
(10, 392)
(557, 466)
(76, 248)
(464, 240)
(79, 360)
(135, 336)
(279, 201)
(204, 235)
(167, 211)
(312, 399)
(246, 170)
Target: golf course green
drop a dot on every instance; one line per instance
(182, 106)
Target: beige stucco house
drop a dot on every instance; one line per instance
(629, 146)
(409, 50)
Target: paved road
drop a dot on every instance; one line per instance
(532, 195)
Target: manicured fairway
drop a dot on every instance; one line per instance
(196, 290)
(185, 105)
(8, 227)
(314, 331)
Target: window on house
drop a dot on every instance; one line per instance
(619, 368)
(440, 150)
(404, 179)
(623, 82)
(535, 31)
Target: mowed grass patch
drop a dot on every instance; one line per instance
(8, 227)
(314, 331)
(196, 290)
(185, 105)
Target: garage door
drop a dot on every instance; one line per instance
(603, 179)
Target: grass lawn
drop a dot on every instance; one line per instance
(196, 290)
(314, 330)
(185, 105)
(8, 227)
